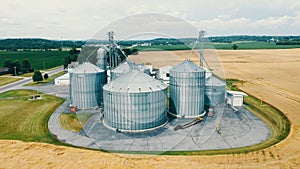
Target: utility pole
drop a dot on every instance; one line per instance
(44, 65)
(15, 70)
(62, 43)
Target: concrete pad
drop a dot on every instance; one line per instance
(237, 129)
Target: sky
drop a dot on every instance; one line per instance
(80, 20)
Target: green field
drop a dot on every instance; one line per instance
(24, 119)
(162, 47)
(7, 80)
(37, 58)
(253, 45)
(224, 46)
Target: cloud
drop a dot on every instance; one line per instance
(82, 19)
(288, 25)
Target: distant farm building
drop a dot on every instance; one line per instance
(3, 70)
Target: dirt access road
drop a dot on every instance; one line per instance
(272, 75)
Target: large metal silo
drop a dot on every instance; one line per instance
(215, 90)
(86, 83)
(187, 87)
(135, 102)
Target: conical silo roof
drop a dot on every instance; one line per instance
(135, 82)
(215, 81)
(87, 67)
(187, 66)
(122, 68)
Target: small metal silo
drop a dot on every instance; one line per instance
(135, 102)
(86, 82)
(143, 68)
(102, 58)
(119, 70)
(215, 91)
(187, 86)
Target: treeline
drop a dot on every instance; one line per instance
(287, 42)
(130, 51)
(157, 41)
(41, 44)
(275, 39)
(28, 44)
(230, 39)
(279, 40)
(16, 67)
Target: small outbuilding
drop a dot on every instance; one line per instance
(164, 73)
(63, 80)
(235, 98)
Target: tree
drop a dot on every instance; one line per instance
(130, 51)
(74, 51)
(37, 76)
(127, 51)
(7, 63)
(67, 61)
(26, 66)
(135, 51)
(46, 76)
(234, 46)
(15, 67)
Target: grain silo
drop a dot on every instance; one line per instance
(121, 69)
(86, 82)
(143, 68)
(135, 102)
(187, 86)
(215, 90)
(102, 58)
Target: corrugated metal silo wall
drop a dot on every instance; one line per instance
(101, 59)
(187, 93)
(86, 90)
(214, 95)
(135, 111)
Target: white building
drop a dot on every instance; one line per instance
(63, 80)
(164, 73)
(235, 98)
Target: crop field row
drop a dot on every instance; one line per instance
(225, 46)
(39, 59)
(47, 59)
